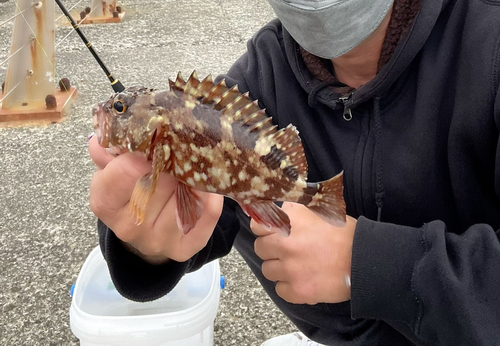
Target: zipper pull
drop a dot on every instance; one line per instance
(347, 111)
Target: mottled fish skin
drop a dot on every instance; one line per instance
(213, 138)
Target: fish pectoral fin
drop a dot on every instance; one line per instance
(189, 207)
(268, 215)
(143, 190)
(146, 186)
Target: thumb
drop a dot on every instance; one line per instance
(98, 154)
(261, 230)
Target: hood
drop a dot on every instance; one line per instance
(406, 50)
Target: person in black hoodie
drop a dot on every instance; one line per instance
(409, 108)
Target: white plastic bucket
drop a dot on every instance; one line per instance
(100, 316)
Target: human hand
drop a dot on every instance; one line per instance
(313, 264)
(158, 238)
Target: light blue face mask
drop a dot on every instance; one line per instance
(330, 28)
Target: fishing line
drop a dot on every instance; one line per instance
(115, 83)
(17, 51)
(20, 13)
(69, 9)
(71, 30)
(14, 88)
(34, 35)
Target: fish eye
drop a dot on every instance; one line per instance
(119, 107)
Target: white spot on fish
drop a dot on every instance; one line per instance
(263, 146)
(187, 166)
(166, 151)
(210, 188)
(258, 185)
(178, 170)
(214, 172)
(190, 181)
(242, 175)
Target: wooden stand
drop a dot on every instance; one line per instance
(104, 19)
(36, 115)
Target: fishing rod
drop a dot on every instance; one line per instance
(115, 83)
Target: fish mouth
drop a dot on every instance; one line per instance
(100, 125)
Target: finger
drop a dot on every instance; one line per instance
(310, 292)
(260, 230)
(98, 154)
(286, 291)
(165, 190)
(198, 237)
(268, 247)
(111, 188)
(273, 270)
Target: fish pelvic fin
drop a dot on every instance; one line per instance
(268, 215)
(146, 186)
(189, 207)
(328, 201)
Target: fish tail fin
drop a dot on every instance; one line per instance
(328, 201)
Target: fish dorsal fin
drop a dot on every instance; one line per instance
(231, 102)
(289, 144)
(179, 83)
(191, 87)
(214, 95)
(227, 97)
(205, 86)
(240, 108)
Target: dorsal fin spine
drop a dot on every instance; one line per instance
(191, 85)
(179, 81)
(204, 86)
(214, 94)
(228, 97)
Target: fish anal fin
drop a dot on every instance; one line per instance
(268, 215)
(328, 202)
(189, 207)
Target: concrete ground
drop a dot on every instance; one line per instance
(46, 226)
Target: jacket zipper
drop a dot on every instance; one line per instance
(347, 110)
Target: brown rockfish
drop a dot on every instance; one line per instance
(216, 139)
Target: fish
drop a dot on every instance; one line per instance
(216, 139)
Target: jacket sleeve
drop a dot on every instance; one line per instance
(442, 288)
(139, 280)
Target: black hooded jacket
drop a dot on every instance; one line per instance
(421, 157)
